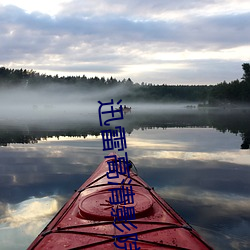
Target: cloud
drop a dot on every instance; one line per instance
(114, 30)
(145, 10)
(229, 204)
(29, 210)
(26, 220)
(91, 37)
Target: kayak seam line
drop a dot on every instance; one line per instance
(110, 235)
(111, 222)
(110, 240)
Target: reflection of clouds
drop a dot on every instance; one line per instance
(29, 212)
(149, 157)
(228, 203)
(237, 157)
(148, 144)
(46, 168)
(198, 178)
(58, 157)
(222, 219)
(185, 139)
(72, 139)
(203, 144)
(227, 240)
(2, 209)
(25, 220)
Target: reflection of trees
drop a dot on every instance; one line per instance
(20, 135)
(16, 137)
(246, 141)
(234, 121)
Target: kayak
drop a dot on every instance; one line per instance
(89, 220)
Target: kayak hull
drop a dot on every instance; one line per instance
(86, 221)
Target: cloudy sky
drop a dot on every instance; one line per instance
(157, 41)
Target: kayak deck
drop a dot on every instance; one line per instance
(86, 222)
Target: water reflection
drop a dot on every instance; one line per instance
(29, 210)
(20, 222)
(193, 161)
(233, 121)
(203, 177)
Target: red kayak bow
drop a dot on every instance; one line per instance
(87, 220)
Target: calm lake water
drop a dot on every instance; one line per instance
(197, 160)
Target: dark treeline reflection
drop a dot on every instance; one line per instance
(234, 121)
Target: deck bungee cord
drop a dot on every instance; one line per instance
(85, 221)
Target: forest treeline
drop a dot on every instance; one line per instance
(236, 91)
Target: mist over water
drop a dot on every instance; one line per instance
(191, 156)
(55, 102)
(61, 102)
(59, 107)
